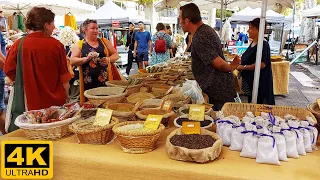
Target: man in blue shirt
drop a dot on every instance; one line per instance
(242, 37)
(142, 45)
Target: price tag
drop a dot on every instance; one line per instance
(167, 105)
(191, 127)
(103, 117)
(152, 122)
(196, 112)
(262, 108)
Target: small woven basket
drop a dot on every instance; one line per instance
(143, 114)
(179, 99)
(87, 133)
(149, 104)
(137, 142)
(194, 155)
(123, 84)
(140, 96)
(45, 131)
(118, 111)
(105, 95)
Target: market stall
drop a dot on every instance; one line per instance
(82, 161)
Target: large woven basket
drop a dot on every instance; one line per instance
(120, 114)
(45, 131)
(113, 95)
(240, 109)
(123, 84)
(178, 103)
(143, 114)
(194, 155)
(96, 135)
(137, 142)
(140, 96)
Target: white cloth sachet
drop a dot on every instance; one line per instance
(237, 137)
(291, 141)
(249, 114)
(299, 137)
(281, 143)
(227, 129)
(306, 136)
(267, 148)
(313, 133)
(250, 142)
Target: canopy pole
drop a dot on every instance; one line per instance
(282, 32)
(259, 52)
(221, 14)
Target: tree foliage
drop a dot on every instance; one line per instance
(227, 13)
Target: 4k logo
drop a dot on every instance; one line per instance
(27, 159)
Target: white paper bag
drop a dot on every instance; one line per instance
(281, 143)
(267, 148)
(250, 142)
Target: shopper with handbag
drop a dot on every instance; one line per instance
(37, 64)
(95, 58)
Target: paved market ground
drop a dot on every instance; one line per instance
(304, 85)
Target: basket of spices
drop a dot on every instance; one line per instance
(200, 148)
(51, 123)
(149, 104)
(143, 114)
(185, 109)
(140, 96)
(205, 124)
(134, 85)
(87, 133)
(134, 138)
(123, 111)
(178, 99)
(105, 95)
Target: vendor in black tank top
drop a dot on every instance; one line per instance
(94, 69)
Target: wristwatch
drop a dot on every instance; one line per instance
(245, 67)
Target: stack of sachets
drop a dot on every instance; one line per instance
(268, 139)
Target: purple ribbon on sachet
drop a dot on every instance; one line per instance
(225, 121)
(245, 132)
(241, 125)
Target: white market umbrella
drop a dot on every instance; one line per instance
(248, 14)
(311, 13)
(59, 7)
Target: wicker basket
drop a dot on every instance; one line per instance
(149, 104)
(206, 117)
(123, 84)
(157, 84)
(194, 155)
(144, 75)
(143, 114)
(45, 131)
(122, 115)
(94, 135)
(137, 142)
(114, 95)
(314, 109)
(240, 109)
(182, 99)
(140, 96)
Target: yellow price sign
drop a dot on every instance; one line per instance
(152, 122)
(196, 112)
(191, 127)
(103, 117)
(167, 105)
(262, 108)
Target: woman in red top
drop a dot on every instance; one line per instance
(45, 73)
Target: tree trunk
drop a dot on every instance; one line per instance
(307, 31)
